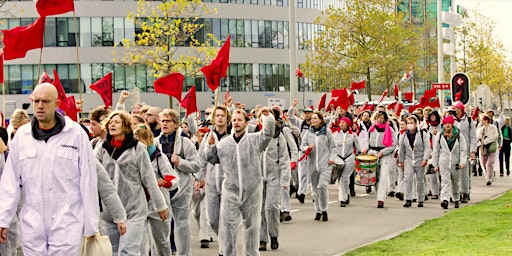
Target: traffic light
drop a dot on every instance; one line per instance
(460, 84)
(481, 101)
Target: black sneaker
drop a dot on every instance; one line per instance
(415, 200)
(426, 198)
(380, 204)
(420, 204)
(489, 183)
(400, 196)
(444, 204)
(407, 203)
(391, 194)
(287, 216)
(463, 198)
(263, 246)
(274, 244)
(342, 204)
(205, 244)
(368, 189)
(324, 216)
(456, 203)
(348, 200)
(352, 192)
(318, 216)
(301, 198)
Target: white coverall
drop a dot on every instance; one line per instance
(294, 157)
(60, 195)
(242, 187)
(412, 157)
(10, 246)
(346, 143)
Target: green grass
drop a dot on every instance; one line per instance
(481, 229)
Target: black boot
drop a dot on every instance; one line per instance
(391, 194)
(368, 189)
(342, 204)
(456, 203)
(301, 198)
(348, 200)
(444, 204)
(287, 216)
(463, 198)
(324, 216)
(318, 216)
(380, 204)
(400, 196)
(205, 244)
(408, 203)
(263, 246)
(273, 243)
(420, 204)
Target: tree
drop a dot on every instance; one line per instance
(165, 38)
(366, 39)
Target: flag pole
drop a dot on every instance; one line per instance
(216, 96)
(178, 133)
(78, 66)
(3, 103)
(40, 61)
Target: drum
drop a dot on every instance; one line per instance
(367, 175)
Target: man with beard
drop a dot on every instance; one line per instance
(364, 126)
(153, 120)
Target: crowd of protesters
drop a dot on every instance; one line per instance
(138, 175)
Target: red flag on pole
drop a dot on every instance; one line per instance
(413, 107)
(104, 88)
(474, 116)
(424, 102)
(399, 109)
(395, 92)
(392, 105)
(358, 85)
(2, 67)
(54, 7)
(171, 85)
(213, 73)
(351, 99)
(71, 108)
(383, 95)
(19, 40)
(56, 82)
(45, 78)
(339, 93)
(223, 56)
(321, 105)
(333, 103)
(429, 94)
(435, 104)
(189, 101)
(408, 96)
(299, 73)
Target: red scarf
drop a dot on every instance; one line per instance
(116, 143)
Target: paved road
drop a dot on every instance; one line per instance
(358, 224)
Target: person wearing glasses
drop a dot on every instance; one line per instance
(51, 164)
(183, 156)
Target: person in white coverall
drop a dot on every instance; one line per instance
(9, 248)
(183, 157)
(240, 155)
(52, 161)
(167, 180)
(127, 162)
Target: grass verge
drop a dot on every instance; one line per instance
(481, 229)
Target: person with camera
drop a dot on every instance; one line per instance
(487, 136)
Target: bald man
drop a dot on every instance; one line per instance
(153, 120)
(51, 161)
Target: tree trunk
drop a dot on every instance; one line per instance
(369, 84)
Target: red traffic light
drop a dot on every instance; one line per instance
(460, 88)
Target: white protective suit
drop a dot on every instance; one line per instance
(130, 169)
(275, 164)
(10, 246)
(302, 165)
(160, 232)
(242, 187)
(412, 158)
(180, 202)
(433, 178)
(110, 200)
(318, 163)
(447, 160)
(468, 130)
(59, 183)
(294, 157)
(346, 143)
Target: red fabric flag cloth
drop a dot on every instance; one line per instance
(392, 105)
(54, 7)
(19, 40)
(299, 73)
(399, 109)
(435, 104)
(383, 95)
(67, 104)
(458, 95)
(366, 106)
(358, 85)
(475, 114)
(395, 92)
(333, 103)
(212, 73)
(413, 107)
(351, 99)
(321, 105)
(424, 102)
(189, 101)
(306, 155)
(408, 96)
(45, 78)
(104, 88)
(171, 85)
(71, 110)
(2, 67)
(60, 89)
(339, 93)
(429, 94)
(223, 56)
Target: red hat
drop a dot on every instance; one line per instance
(459, 105)
(347, 120)
(449, 120)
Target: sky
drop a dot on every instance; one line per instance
(500, 11)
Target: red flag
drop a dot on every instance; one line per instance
(435, 104)
(56, 82)
(408, 96)
(358, 85)
(429, 94)
(67, 104)
(104, 88)
(213, 73)
(383, 95)
(475, 114)
(71, 108)
(45, 78)
(366, 106)
(392, 105)
(395, 92)
(458, 95)
(399, 109)
(54, 7)
(223, 56)
(342, 97)
(413, 107)
(424, 102)
(351, 99)
(2, 67)
(332, 104)
(321, 105)
(189, 101)
(339, 93)
(299, 73)
(171, 85)
(19, 40)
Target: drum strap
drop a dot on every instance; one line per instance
(345, 158)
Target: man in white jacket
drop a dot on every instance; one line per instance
(52, 161)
